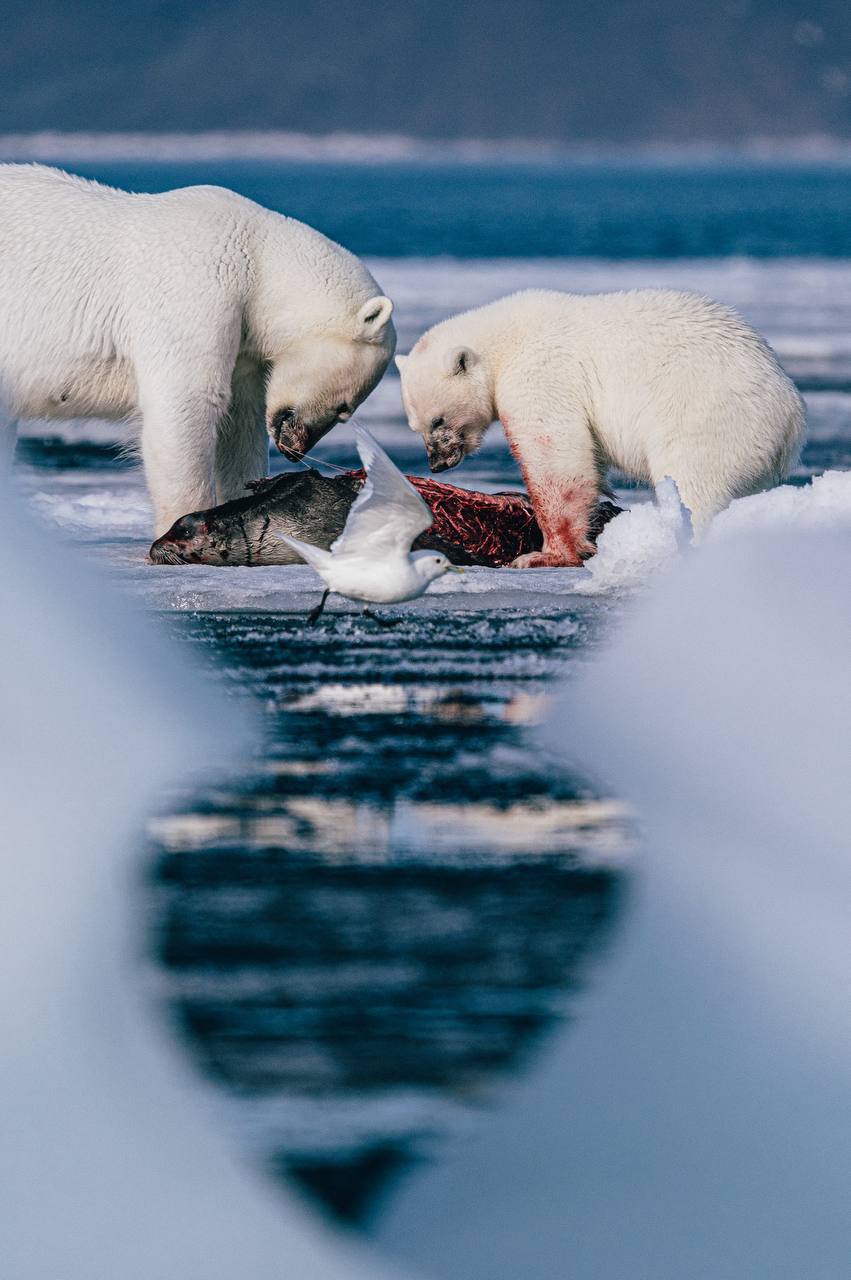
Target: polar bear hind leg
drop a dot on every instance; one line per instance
(713, 468)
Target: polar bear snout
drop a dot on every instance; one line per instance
(441, 460)
(293, 436)
(289, 433)
(446, 445)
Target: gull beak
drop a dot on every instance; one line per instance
(456, 568)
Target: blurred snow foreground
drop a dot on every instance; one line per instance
(695, 1123)
(108, 1168)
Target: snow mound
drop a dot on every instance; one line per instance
(644, 539)
(650, 536)
(825, 502)
(687, 1124)
(99, 714)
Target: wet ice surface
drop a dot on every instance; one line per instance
(371, 928)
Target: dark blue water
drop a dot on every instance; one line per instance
(365, 934)
(537, 210)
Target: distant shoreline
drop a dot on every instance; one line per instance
(367, 149)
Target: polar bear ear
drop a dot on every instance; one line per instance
(401, 361)
(373, 318)
(459, 360)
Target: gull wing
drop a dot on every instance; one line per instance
(388, 513)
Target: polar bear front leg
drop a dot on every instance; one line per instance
(178, 451)
(242, 444)
(562, 477)
(563, 510)
(185, 368)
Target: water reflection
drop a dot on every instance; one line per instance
(366, 931)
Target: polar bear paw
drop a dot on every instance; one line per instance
(548, 560)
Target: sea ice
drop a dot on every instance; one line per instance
(650, 536)
(103, 511)
(109, 510)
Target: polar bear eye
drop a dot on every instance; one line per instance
(437, 422)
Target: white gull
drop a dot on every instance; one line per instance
(372, 558)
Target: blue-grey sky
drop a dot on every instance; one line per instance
(615, 70)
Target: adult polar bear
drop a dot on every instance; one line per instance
(197, 310)
(651, 381)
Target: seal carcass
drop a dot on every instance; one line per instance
(469, 527)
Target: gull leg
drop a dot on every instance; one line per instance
(316, 613)
(382, 622)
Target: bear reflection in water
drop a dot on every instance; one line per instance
(369, 931)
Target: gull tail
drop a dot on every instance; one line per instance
(317, 557)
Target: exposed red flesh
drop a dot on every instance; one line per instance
(493, 528)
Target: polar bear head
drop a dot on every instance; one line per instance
(322, 375)
(448, 397)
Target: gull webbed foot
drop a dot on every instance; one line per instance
(316, 613)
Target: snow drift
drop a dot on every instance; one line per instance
(108, 1165)
(694, 1124)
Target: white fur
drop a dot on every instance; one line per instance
(654, 382)
(179, 309)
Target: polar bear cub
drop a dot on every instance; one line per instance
(654, 382)
(205, 317)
